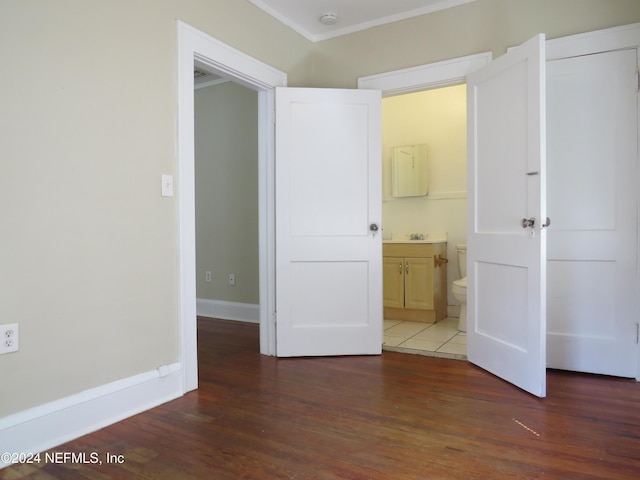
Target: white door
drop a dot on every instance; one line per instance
(506, 185)
(329, 205)
(592, 189)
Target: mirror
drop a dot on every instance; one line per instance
(409, 171)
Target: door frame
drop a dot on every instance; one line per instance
(425, 77)
(216, 57)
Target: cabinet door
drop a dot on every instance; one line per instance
(418, 283)
(393, 280)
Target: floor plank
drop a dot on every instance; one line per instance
(392, 416)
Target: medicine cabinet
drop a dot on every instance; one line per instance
(409, 171)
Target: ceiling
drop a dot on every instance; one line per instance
(303, 16)
(350, 15)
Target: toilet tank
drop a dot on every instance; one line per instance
(462, 259)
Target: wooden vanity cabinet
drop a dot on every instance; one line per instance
(415, 281)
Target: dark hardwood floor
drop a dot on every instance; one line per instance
(393, 416)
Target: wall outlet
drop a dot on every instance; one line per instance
(207, 276)
(9, 338)
(232, 279)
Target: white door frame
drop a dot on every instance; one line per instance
(424, 77)
(221, 59)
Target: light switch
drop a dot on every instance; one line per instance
(167, 185)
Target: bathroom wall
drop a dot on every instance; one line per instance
(436, 118)
(226, 142)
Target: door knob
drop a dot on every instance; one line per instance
(527, 222)
(374, 228)
(547, 223)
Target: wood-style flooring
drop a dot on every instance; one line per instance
(393, 416)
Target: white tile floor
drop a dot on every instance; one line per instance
(440, 339)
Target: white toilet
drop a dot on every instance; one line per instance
(459, 288)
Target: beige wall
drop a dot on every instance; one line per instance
(89, 247)
(480, 26)
(226, 140)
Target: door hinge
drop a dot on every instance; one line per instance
(638, 78)
(637, 332)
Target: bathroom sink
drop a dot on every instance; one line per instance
(417, 238)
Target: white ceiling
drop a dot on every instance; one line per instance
(352, 15)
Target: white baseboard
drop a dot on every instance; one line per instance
(245, 312)
(47, 426)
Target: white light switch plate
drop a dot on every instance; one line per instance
(167, 185)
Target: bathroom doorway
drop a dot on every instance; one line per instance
(435, 118)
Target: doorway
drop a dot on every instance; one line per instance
(226, 200)
(436, 119)
(218, 58)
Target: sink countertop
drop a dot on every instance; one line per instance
(428, 238)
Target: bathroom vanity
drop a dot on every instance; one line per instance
(415, 279)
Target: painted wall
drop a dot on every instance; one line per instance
(480, 26)
(436, 118)
(226, 142)
(88, 126)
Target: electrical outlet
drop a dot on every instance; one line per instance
(207, 276)
(9, 338)
(232, 279)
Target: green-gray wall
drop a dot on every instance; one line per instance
(226, 140)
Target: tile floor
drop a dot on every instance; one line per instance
(440, 339)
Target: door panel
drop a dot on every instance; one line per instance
(328, 193)
(506, 183)
(592, 194)
(393, 288)
(338, 178)
(502, 142)
(419, 283)
(344, 282)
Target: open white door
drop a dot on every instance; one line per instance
(506, 210)
(329, 207)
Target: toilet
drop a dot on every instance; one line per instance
(459, 288)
